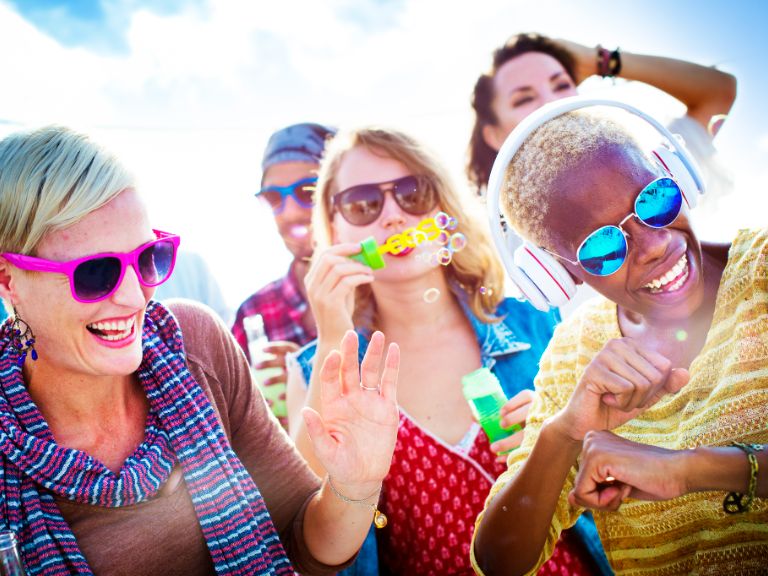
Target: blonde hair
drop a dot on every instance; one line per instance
(472, 268)
(556, 148)
(49, 179)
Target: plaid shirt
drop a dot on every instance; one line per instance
(282, 306)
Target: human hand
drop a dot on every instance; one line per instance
(585, 58)
(354, 434)
(613, 468)
(331, 282)
(273, 356)
(513, 413)
(623, 379)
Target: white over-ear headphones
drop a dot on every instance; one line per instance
(541, 279)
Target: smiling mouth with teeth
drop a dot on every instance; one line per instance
(671, 280)
(112, 331)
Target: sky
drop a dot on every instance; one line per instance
(187, 92)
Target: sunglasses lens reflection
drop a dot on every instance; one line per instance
(604, 251)
(361, 205)
(659, 203)
(96, 278)
(273, 198)
(155, 263)
(414, 196)
(305, 195)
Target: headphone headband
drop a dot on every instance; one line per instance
(541, 279)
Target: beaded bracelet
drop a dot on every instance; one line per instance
(379, 519)
(608, 62)
(737, 502)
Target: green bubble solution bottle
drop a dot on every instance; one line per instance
(485, 396)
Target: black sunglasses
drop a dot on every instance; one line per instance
(361, 205)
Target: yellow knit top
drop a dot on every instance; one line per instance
(725, 400)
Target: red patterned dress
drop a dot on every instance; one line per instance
(432, 495)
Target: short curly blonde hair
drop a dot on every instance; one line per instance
(559, 146)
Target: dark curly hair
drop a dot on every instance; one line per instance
(480, 155)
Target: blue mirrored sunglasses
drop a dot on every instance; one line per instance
(604, 251)
(303, 191)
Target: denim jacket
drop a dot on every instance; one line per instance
(511, 349)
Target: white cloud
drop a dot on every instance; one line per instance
(762, 143)
(191, 103)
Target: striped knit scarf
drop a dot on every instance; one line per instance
(181, 425)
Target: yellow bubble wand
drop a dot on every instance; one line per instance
(371, 253)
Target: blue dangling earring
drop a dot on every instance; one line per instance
(22, 339)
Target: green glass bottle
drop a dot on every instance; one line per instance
(485, 396)
(273, 393)
(10, 559)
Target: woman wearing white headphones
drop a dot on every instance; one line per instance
(652, 404)
(530, 70)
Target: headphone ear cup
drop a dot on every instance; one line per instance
(541, 278)
(551, 279)
(671, 162)
(506, 244)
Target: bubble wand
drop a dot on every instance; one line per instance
(371, 253)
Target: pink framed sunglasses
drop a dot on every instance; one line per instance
(94, 278)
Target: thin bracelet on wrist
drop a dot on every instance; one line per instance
(603, 55)
(738, 502)
(379, 519)
(608, 62)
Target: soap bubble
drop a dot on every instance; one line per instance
(443, 238)
(444, 256)
(452, 223)
(431, 295)
(458, 242)
(441, 220)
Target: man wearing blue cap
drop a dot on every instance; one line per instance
(289, 174)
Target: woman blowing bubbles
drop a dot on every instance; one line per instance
(379, 182)
(132, 439)
(645, 393)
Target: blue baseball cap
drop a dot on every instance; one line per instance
(296, 143)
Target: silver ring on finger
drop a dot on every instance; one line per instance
(369, 388)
